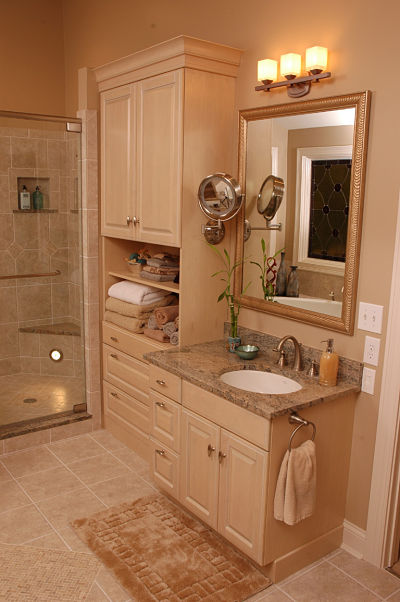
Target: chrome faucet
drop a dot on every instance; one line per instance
(297, 353)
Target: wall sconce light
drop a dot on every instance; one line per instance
(290, 67)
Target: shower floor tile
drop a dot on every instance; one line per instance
(52, 394)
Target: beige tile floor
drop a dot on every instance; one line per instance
(45, 487)
(54, 394)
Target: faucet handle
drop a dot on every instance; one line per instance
(282, 357)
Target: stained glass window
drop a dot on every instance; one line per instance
(329, 208)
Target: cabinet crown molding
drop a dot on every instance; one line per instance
(182, 51)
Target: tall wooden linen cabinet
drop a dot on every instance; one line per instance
(167, 121)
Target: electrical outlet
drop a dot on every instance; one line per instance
(371, 351)
(368, 380)
(370, 317)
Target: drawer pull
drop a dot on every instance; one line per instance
(114, 339)
(162, 383)
(221, 456)
(114, 394)
(161, 452)
(160, 404)
(114, 355)
(210, 449)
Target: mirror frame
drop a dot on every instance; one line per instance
(361, 101)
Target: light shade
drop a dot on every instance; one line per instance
(316, 59)
(290, 65)
(267, 70)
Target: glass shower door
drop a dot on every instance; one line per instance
(41, 315)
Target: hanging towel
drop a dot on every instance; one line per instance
(137, 311)
(166, 314)
(296, 486)
(132, 292)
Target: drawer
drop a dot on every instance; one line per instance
(166, 383)
(133, 344)
(131, 410)
(126, 373)
(165, 420)
(164, 467)
(233, 418)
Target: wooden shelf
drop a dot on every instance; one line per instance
(173, 287)
(35, 210)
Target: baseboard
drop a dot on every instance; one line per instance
(354, 539)
(304, 555)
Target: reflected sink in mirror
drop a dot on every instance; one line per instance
(260, 382)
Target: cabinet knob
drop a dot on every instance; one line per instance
(210, 449)
(160, 404)
(114, 339)
(221, 456)
(128, 220)
(135, 220)
(114, 394)
(114, 355)
(162, 383)
(161, 452)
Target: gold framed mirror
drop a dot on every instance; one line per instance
(318, 147)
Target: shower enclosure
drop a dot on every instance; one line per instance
(41, 315)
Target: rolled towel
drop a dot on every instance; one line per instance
(169, 328)
(133, 292)
(131, 324)
(166, 314)
(152, 323)
(174, 338)
(137, 311)
(158, 335)
(177, 322)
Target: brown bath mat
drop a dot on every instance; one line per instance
(158, 552)
(29, 573)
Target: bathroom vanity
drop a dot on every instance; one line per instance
(217, 450)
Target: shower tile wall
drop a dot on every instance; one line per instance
(39, 242)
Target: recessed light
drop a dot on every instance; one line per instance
(56, 355)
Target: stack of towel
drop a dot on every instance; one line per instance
(162, 267)
(130, 304)
(163, 325)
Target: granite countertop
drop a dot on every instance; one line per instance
(203, 364)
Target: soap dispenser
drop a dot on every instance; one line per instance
(328, 365)
(37, 199)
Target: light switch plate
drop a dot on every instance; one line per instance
(371, 351)
(370, 317)
(368, 380)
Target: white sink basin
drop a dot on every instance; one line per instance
(260, 382)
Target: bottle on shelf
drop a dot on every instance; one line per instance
(37, 199)
(24, 198)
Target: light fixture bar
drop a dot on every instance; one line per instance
(293, 82)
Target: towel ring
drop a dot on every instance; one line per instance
(296, 419)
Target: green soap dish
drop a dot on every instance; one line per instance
(247, 352)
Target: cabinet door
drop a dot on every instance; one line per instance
(199, 467)
(159, 158)
(242, 494)
(117, 161)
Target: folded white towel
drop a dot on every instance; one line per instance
(133, 292)
(296, 485)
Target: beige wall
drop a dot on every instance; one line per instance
(32, 57)
(359, 39)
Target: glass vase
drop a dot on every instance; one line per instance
(281, 277)
(292, 288)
